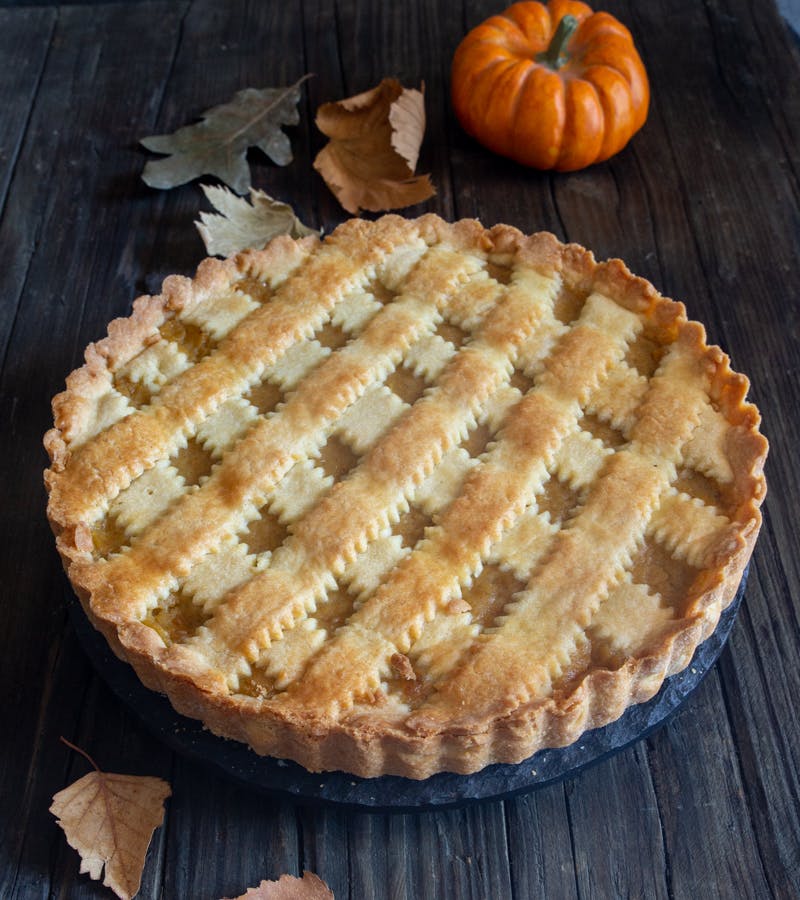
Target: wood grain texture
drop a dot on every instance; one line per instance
(53, 204)
(620, 794)
(704, 202)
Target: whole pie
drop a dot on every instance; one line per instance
(419, 497)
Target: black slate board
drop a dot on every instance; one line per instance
(391, 793)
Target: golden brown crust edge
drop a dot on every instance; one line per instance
(353, 746)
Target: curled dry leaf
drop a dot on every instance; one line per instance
(374, 144)
(287, 887)
(110, 819)
(239, 225)
(218, 144)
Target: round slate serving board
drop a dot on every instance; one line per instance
(390, 793)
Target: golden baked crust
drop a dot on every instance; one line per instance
(419, 497)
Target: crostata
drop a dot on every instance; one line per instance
(419, 497)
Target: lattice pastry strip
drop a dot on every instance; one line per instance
(476, 300)
(222, 570)
(428, 357)
(539, 346)
(154, 366)
(523, 545)
(630, 618)
(394, 268)
(353, 313)
(284, 661)
(689, 529)
(366, 572)
(418, 497)
(369, 417)
(442, 644)
(296, 363)
(707, 453)
(109, 409)
(147, 498)
(444, 482)
(504, 400)
(219, 314)
(299, 491)
(220, 431)
(581, 459)
(617, 399)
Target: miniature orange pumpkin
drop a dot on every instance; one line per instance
(553, 86)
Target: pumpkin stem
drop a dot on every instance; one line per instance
(556, 54)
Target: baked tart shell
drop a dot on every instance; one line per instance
(419, 672)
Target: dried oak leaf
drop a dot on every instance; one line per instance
(287, 887)
(238, 225)
(374, 144)
(110, 819)
(218, 145)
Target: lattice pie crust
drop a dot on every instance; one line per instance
(418, 497)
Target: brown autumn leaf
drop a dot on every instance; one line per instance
(372, 153)
(287, 887)
(218, 144)
(239, 225)
(109, 819)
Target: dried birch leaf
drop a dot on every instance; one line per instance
(218, 145)
(287, 887)
(374, 144)
(407, 118)
(239, 225)
(110, 819)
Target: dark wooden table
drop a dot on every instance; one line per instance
(704, 202)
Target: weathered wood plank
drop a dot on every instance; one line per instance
(55, 267)
(737, 162)
(619, 793)
(465, 852)
(325, 847)
(706, 826)
(31, 838)
(540, 852)
(223, 839)
(761, 687)
(25, 38)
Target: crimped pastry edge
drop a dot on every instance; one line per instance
(373, 748)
